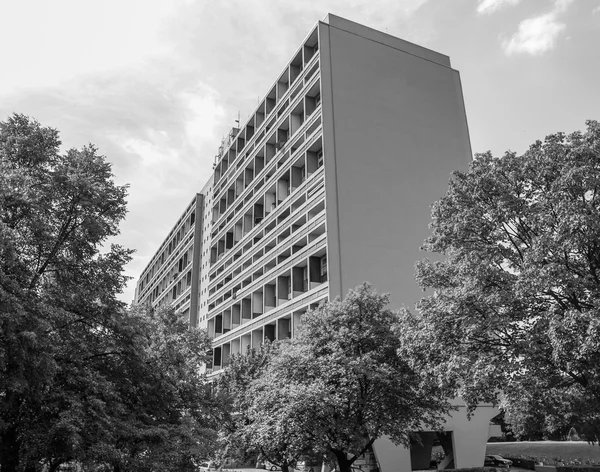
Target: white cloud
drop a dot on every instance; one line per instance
(562, 5)
(539, 34)
(596, 10)
(487, 7)
(535, 36)
(204, 112)
(51, 42)
(156, 84)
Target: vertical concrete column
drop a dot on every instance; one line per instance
(246, 342)
(247, 223)
(238, 231)
(470, 436)
(296, 320)
(257, 338)
(235, 346)
(391, 458)
(270, 297)
(283, 186)
(226, 353)
(226, 321)
(235, 315)
(257, 303)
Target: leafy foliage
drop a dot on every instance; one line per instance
(165, 420)
(82, 378)
(514, 306)
(269, 420)
(335, 388)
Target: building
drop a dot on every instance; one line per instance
(177, 274)
(328, 184)
(171, 276)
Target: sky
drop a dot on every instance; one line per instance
(156, 84)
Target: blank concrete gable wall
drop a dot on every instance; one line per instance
(394, 129)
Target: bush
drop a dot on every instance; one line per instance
(528, 462)
(576, 464)
(573, 436)
(524, 463)
(577, 468)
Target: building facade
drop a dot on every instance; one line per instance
(328, 184)
(171, 276)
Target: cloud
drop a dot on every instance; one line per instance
(487, 7)
(596, 10)
(562, 5)
(51, 42)
(155, 85)
(535, 36)
(539, 34)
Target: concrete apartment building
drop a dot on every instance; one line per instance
(177, 273)
(328, 184)
(171, 276)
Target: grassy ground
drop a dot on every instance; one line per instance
(564, 449)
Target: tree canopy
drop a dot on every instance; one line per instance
(338, 385)
(82, 378)
(268, 418)
(513, 308)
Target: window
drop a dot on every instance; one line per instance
(324, 269)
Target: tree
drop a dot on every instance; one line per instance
(165, 420)
(540, 415)
(513, 310)
(81, 378)
(270, 417)
(141, 404)
(55, 286)
(355, 385)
